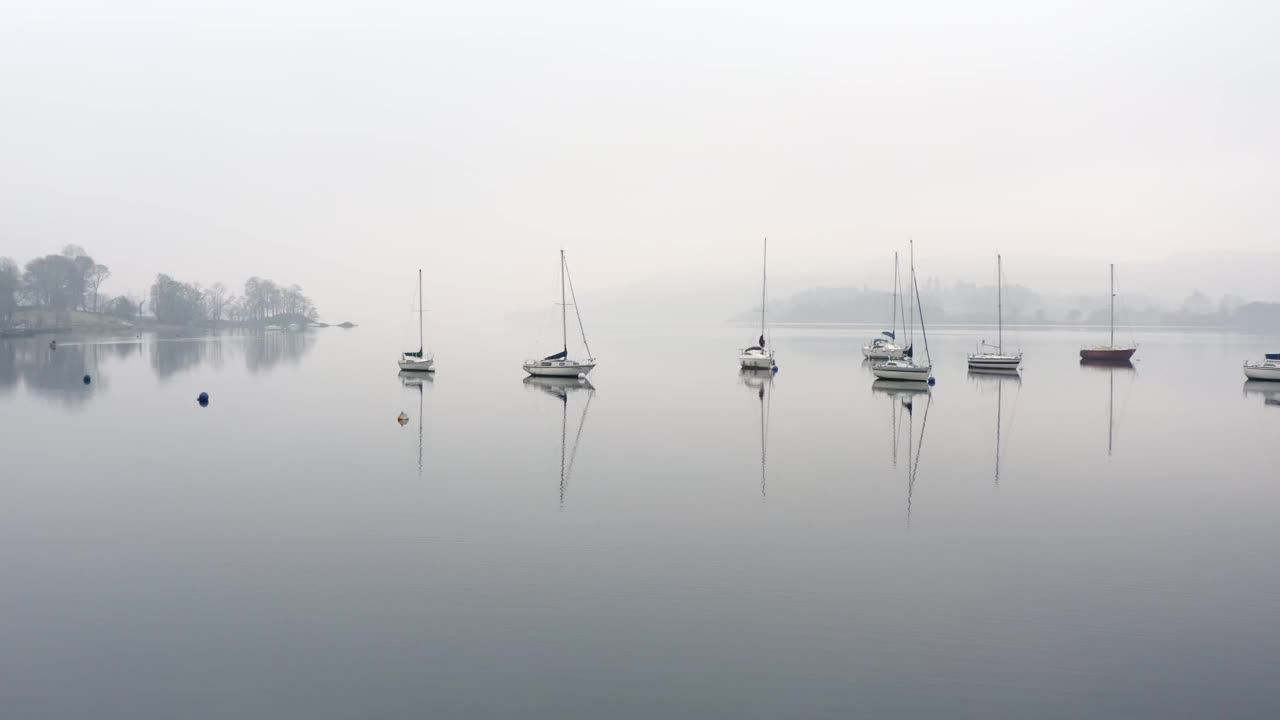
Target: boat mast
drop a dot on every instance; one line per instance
(893, 318)
(564, 310)
(911, 300)
(420, 343)
(999, 308)
(1113, 305)
(764, 285)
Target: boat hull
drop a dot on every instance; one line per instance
(881, 353)
(1107, 354)
(558, 368)
(913, 373)
(994, 362)
(756, 361)
(427, 364)
(1261, 372)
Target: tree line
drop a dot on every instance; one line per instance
(72, 280)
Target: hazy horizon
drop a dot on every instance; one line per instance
(342, 147)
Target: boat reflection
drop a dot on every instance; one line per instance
(420, 381)
(761, 383)
(1268, 390)
(562, 388)
(1110, 367)
(998, 378)
(904, 397)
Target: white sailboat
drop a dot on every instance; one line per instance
(885, 348)
(758, 357)
(1268, 369)
(560, 364)
(419, 361)
(907, 368)
(996, 360)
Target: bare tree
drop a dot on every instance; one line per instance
(215, 299)
(94, 279)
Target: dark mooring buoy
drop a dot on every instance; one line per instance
(932, 381)
(87, 379)
(203, 399)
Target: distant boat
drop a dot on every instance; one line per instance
(1111, 352)
(560, 364)
(1268, 369)
(419, 361)
(907, 368)
(885, 348)
(758, 357)
(273, 327)
(997, 360)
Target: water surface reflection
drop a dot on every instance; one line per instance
(562, 388)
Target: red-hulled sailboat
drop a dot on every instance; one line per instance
(1112, 352)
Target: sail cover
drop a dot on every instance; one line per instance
(889, 334)
(558, 356)
(1273, 356)
(410, 353)
(907, 352)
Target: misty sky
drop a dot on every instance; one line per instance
(342, 145)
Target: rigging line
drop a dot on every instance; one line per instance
(923, 333)
(1128, 320)
(564, 426)
(576, 311)
(1013, 417)
(582, 422)
(915, 467)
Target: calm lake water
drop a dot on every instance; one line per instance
(676, 540)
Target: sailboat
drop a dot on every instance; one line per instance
(907, 368)
(758, 357)
(1109, 353)
(1268, 369)
(762, 384)
(419, 361)
(560, 364)
(997, 359)
(561, 387)
(884, 348)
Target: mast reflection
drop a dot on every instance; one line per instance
(561, 388)
(904, 396)
(761, 382)
(419, 381)
(999, 378)
(1110, 368)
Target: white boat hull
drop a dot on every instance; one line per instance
(413, 364)
(995, 362)
(1267, 371)
(558, 368)
(902, 371)
(882, 353)
(756, 360)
